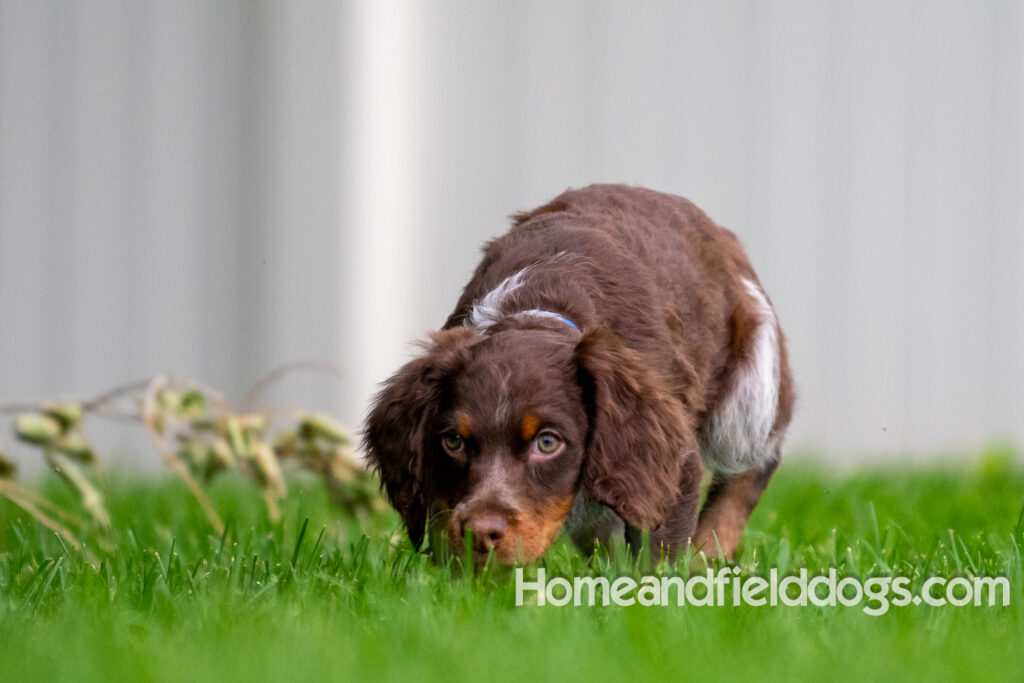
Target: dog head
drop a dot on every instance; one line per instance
(495, 434)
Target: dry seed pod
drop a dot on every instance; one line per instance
(40, 430)
(200, 458)
(342, 470)
(192, 404)
(236, 437)
(170, 401)
(322, 425)
(268, 469)
(7, 467)
(194, 453)
(223, 453)
(67, 414)
(287, 444)
(252, 422)
(286, 440)
(75, 446)
(203, 424)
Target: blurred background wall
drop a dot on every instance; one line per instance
(213, 188)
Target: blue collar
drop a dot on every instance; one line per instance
(540, 313)
(567, 322)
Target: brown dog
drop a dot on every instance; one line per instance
(605, 346)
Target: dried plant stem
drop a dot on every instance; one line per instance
(114, 394)
(270, 468)
(261, 385)
(273, 508)
(73, 476)
(44, 503)
(149, 412)
(21, 497)
(88, 406)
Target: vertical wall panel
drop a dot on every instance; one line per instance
(383, 47)
(947, 365)
(789, 197)
(864, 283)
(24, 172)
(167, 194)
(213, 188)
(1004, 329)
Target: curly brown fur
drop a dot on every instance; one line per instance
(609, 342)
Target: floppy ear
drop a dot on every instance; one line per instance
(638, 436)
(398, 427)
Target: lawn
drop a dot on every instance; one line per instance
(319, 596)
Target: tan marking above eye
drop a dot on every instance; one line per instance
(465, 425)
(530, 425)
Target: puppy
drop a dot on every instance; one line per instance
(609, 344)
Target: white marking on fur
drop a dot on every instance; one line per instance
(738, 438)
(504, 409)
(487, 311)
(494, 488)
(539, 313)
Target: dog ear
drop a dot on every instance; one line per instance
(638, 434)
(398, 426)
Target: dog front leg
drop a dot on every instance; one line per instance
(667, 540)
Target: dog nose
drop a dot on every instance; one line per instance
(487, 532)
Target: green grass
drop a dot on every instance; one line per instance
(323, 597)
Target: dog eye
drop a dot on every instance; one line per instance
(453, 443)
(547, 444)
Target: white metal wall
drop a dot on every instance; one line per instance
(168, 184)
(216, 187)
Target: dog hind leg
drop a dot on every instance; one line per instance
(741, 443)
(730, 500)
